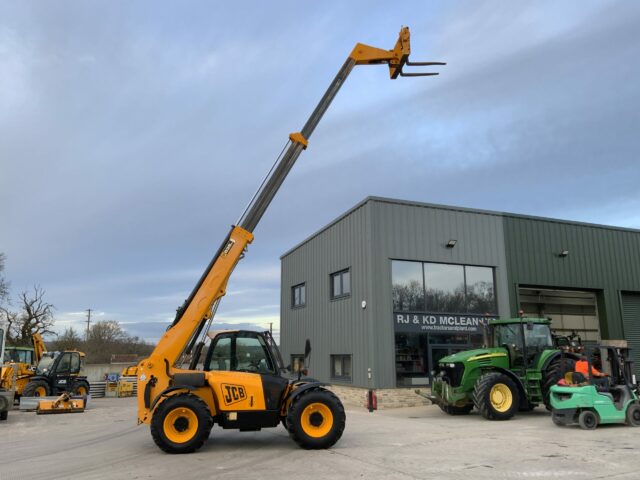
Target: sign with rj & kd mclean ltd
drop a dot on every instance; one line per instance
(439, 322)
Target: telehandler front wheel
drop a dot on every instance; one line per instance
(316, 419)
(181, 424)
(36, 388)
(496, 396)
(81, 388)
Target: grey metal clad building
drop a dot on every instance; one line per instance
(390, 287)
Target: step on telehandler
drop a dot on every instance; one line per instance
(610, 397)
(243, 383)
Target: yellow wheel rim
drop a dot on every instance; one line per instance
(180, 425)
(316, 420)
(501, 397)
(40, 392)
(82, 390)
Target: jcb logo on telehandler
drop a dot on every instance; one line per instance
(233, 393)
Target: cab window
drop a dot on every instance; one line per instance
(75, 363)
(65, 364)
(240, 353)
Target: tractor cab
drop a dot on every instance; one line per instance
(524, 339)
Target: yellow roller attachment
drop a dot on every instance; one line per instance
(317, 420)
(63, 404)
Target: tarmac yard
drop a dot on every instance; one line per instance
(105, 443)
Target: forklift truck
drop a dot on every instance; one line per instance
(590, 401)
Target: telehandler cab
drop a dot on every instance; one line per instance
(57, 373)
(241, 385)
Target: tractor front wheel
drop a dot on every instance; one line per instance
(36, 388)
(451, 410)
(588, 420)
(316, 419)
(181, 424)
(496, 396)
(633, 415)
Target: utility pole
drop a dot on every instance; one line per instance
(271, 328)
(88, 322)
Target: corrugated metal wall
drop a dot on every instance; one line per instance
(631, 321)
(606, 260)
(334, 326)
(409, 231)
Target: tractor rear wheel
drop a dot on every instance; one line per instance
(451, 410)
(36, 388)
(181, 424)
(633, 415)
(4, 415)
(496, 396)
(587, 420)
(316, 419)
(552, 374)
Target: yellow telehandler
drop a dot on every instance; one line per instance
(242, 384)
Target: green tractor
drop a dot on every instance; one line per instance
(591, 397)
(515, 372)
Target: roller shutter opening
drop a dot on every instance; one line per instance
(631, 323)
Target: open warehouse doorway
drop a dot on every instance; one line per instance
(570, 310)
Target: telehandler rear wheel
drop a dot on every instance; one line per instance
(37, 388)
(496, 396)
(316, 419)
(81, 388)
(181, 424)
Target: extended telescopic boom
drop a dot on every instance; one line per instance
(200, 306)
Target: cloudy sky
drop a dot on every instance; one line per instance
(132, 134)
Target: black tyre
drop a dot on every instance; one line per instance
(633, 415)
(81, 388)
(451, 410)
(4, 415)
(588, 420)
(554, 372)
(558, 420)
(496, 396)
(36, 388)
(181, 424)
(316, 419)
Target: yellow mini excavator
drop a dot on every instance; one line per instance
(242, 384)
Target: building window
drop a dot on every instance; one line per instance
(442, 288)
(407, 286)
(299, 295)
(341, 284)
(341, 367)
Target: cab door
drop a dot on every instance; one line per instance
(248, 352)
(68, 365)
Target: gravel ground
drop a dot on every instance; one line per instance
(422, 442)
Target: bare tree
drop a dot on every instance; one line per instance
(4, 284)
(69, 340)
(34, 315)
